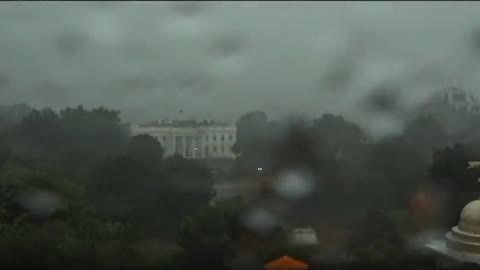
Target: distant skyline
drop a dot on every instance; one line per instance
(218, 60)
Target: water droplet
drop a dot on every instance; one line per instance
(187, 8)
(260, 220)
(40, 203)
(70, 42)
(382, 99)
(294, 185)
(227, 45)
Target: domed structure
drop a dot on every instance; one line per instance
(470, 218)
(462, 243)
(466, 236)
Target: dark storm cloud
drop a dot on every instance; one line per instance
(220, 59)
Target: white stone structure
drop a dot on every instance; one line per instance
(462, 243)
(454, 99)
(192, 139)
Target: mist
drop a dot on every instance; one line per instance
(338, 133)
(221, 59)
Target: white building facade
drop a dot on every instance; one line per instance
(191, 139)
(452, 98)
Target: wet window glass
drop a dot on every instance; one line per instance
(239, 135)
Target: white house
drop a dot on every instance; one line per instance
(192, 139)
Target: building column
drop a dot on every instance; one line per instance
(172, 144)
(204, 145)
(195, 149)
(171, 139)
(176, 144)
(184, 142)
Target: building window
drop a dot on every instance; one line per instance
(164, 138)
(222, 138)
(230, 137)
(214, 137)
(214, 149)
(221, 148)
(206, 149)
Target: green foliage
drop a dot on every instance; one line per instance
(378, 238)
(59, 243)
(394, 167)
(216, 236)
(145, 149)
(208, 236)
(426, 134)
(155, 199)
(252, 132)
(253, 139)
(69, 142)
(11, 115)
(342, 138)
(70, 234)
(449, 172)
(449, 165)
(5, 153)
(114, 191)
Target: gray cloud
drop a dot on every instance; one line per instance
(221, 59)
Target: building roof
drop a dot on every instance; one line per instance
(185, 123)
(286, 262)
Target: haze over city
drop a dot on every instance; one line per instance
(221, 59)
(239, 135)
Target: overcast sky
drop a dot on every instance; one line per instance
(221, 59)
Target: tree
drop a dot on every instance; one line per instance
(252, 132)
(449, 172)
(209, 233)
(425, 134)
(343, 139)
(68, 143)
(98, 131)
(37, 134)
(153, 199)
(116, 187)
(48, 221)
(394, 168)
(377, 239)
(216, 236)
(26, 193)
(5, 153)
(12, 115)
(300, 145)
(208, 237)
(145, 149)
(187, 187)
(252, 145)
